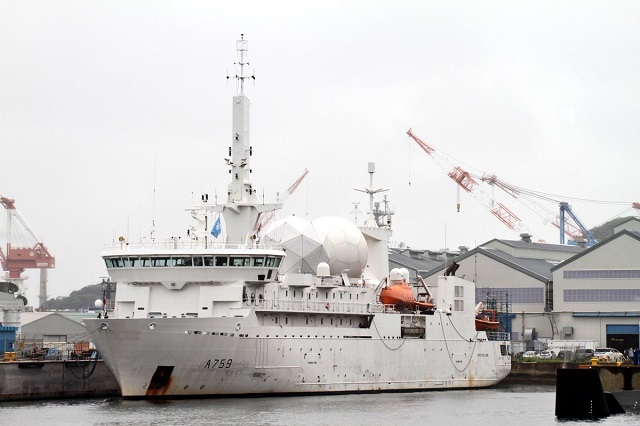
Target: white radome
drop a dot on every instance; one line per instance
(303, 247)
(344, 243)
(330, 239)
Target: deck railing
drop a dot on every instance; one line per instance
(186, 244)
(318, 306)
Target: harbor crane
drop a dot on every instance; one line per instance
(267, 217)
(576, 231)
(565, 208)
(471, 186)
(20, 255)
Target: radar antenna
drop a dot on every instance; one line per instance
(371, 222)
(242, 46)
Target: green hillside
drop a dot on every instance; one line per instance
(78, 300)
(605, 230)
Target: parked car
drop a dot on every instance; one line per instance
(608, 355)
(584, 354)
(530, 355)
(545, 355)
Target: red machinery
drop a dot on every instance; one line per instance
(19, 256)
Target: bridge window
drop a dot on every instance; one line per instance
(160, 261)
(258, 261)
(146, 261)
(182, 261)
(240, 261)
(222, 260)
(273, 262)
(114, 262)
(197, 261)
(208, 261)
(134, 262)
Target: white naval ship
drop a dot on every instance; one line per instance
(230, 311)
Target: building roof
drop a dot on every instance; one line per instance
(414, 263)
(52, 323)
(537, 246)
(632, 224)
(539, 269)
(632, 234)
(629, 219)
(536, 268)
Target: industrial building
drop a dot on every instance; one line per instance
(551, 291)
(597, 292)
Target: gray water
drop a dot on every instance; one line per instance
(503, 405)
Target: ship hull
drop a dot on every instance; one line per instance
(239, 356)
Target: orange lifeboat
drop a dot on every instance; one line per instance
(400, 295)
(486, 320)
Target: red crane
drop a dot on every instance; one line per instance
(470, 185)
(571, 230)
(267, 217)
(20, 256)
(469, 182)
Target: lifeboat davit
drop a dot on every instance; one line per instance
(400, 294)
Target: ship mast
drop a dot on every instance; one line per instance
(242, 46)
(371, 221)
(243, 208)
(377, 237)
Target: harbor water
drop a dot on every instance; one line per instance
(506, 404)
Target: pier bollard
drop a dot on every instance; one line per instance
(594, 361)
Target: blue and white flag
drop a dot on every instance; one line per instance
(216, 230)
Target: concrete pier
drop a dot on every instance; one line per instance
(21, 380)
(616, 378)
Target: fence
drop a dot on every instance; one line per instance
(37, 349)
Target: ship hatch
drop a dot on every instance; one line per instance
(161, 377)
(413, 327)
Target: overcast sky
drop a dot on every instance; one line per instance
(102, 102)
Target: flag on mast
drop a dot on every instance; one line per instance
(216, 230)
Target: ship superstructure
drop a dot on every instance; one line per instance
(215, 315)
